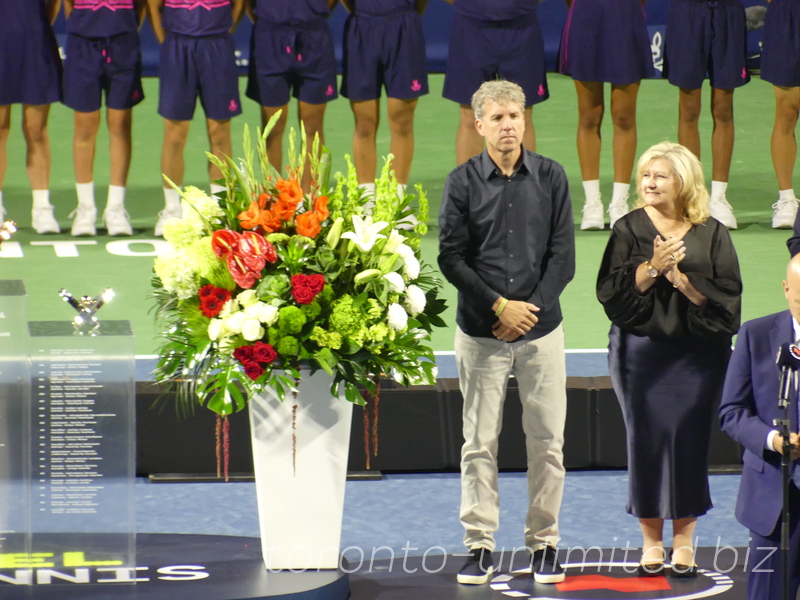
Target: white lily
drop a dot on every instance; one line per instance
(366, 232)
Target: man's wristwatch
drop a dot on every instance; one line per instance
(651, 270)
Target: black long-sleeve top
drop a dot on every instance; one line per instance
(507, 236)
(662, 311)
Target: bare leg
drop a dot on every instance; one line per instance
(312, 117)
(120, 144)
(367, 116)
(219, 143)
(172, 165)
(275, 137)
(5, 127)
(469, 142)
(682, 542)
(83, 144)
(689, 105)
(529, 137)
(590, 117)
(623, 114)
(401, 124)
(783, 143)
(722, 138)
(34, 128)
(652, 541)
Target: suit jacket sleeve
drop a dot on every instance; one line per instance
(738, 413)
(793, 243)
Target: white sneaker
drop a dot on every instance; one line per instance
(116, 221)
(164, 216)
(84, 218)
(722, 211)
(592, 214)
(783, 213)
(44, 221)
(617, 209)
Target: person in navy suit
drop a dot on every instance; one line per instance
(749, 405)
(793, 243)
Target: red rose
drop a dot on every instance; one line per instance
(243, 354)
(253, 370)
(264, 353)
(316, 282)
(303, 295)
(206, 290)
(299, 280)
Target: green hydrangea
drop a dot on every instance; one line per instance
(311, 311)
(326, 339)
(325, 297)
(378, 332)
(345, 318)
(374, 309)
(280, 239)
(288, 346)
(291, 319)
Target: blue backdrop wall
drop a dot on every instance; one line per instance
(552, 14)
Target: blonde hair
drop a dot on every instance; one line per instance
(692, 196)
(499, 91)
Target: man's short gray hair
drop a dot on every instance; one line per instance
(499, 91)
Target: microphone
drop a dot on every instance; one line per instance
(788, 361)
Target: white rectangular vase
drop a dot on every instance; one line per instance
(301, 488)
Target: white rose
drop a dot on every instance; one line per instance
(253, 309)
(214, 329)
(395, 282)
(234, 321)
(415, 300)
(247, 298)
(268, 314)
(252, 330)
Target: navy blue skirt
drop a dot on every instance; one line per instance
(669, 391)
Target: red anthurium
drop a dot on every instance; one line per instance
(242, 275)
(224, 241)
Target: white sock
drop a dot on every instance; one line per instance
(369, 188)
(85, 194)
(591, 190)
(401, 189)
(217, 188)
(718, 188)
(116, 197)
(620, 192)
(172, 200)
(787, 194)
(41, 199)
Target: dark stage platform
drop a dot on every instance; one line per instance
(197, 567)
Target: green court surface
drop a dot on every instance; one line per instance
(87, 265)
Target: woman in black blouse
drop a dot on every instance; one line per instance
(670, 284)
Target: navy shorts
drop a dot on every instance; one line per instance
(287, 60)
(486, 50)
(606, 41)
(384, 51)
(706, 37)
(780, 52)
(198, 66)
(94, 66)
(30, 66)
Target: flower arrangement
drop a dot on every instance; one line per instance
(266, 277)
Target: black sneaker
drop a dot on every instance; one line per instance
(478, 568)
(545, 567)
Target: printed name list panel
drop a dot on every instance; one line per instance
(14, 419)
(82, 443)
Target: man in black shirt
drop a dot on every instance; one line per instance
(506, 242)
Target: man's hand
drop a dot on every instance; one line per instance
(503, 333)
(518, 316)
(794, 440)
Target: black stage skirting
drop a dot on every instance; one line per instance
(197, 567)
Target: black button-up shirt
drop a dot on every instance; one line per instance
(507, 236)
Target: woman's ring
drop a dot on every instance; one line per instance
(672, 257)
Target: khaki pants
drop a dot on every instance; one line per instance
(484, 366)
